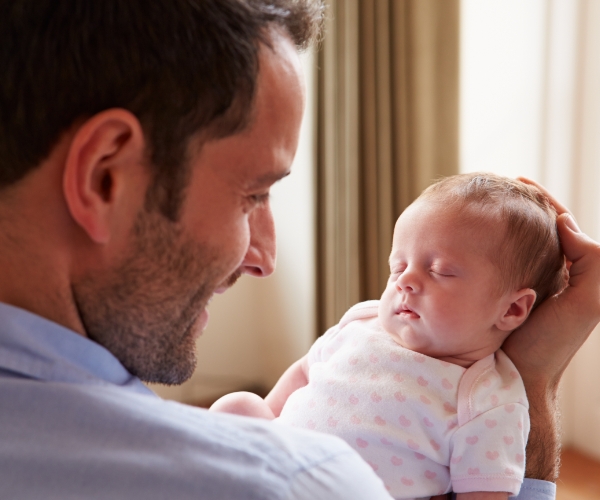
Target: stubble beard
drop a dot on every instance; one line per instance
(145, 309)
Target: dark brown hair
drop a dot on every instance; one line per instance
(529, 253)
(181, 66)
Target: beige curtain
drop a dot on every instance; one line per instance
(387, 126)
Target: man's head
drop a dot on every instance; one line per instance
(168, 124)
(470, 259)
(179, 66)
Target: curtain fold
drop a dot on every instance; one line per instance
(387, 126)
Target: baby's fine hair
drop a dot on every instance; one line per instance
(529, 255)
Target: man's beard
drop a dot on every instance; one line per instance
(144, 310)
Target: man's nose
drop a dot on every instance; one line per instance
(260, 257)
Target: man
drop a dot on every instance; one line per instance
(138, 144)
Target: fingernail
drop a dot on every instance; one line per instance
(571, 224)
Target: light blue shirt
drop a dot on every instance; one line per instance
(75, 424)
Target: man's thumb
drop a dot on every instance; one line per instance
(575, 244)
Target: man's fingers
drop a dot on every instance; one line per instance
(575, 244)
(558, 206)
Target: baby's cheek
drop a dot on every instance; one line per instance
(448, 316)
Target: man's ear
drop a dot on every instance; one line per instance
(519, 308)
(105, 158)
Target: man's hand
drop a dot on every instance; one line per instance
(544, 345)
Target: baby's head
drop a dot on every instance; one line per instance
(471, 257)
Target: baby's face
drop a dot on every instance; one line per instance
(442, 298)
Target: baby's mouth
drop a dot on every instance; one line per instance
(407, 312)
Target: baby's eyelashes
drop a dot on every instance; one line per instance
(442, 271)
(395, 273)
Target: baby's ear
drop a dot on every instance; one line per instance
(518, 310)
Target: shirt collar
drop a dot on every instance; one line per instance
(35, 347)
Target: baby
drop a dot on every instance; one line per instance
(416, 382)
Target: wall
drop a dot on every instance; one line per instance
(261, 326)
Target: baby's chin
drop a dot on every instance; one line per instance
(465, 363)
(409, 340)
(401, 340)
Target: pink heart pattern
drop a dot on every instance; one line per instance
(404, 422)
(490, 423)
(412, 444)
(449, 407)
(379, 420)
(400, 397)
(446, 384)
(361, 443)
(419, 358)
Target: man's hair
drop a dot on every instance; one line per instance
(180, 66)
(529, 254)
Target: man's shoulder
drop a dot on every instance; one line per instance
(105, 439)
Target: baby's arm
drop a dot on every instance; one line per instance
(243, 403)
(295, 377)
(251, 405)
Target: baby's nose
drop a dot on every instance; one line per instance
(408, 281)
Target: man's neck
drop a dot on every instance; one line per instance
(34, 268)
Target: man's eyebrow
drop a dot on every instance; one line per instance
(267, 179)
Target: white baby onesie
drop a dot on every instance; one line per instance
(425, 426)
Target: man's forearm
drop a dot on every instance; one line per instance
(543, 446)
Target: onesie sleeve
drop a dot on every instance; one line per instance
(321, 348)
(488, 453)
(329, 342)
(488, 447)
